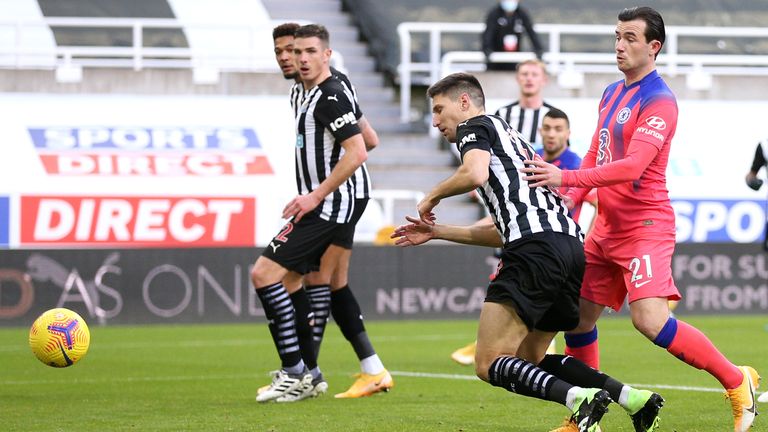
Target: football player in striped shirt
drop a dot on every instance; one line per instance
(535, 293)
(555, 131)
(629, 251)
(525, 115)
(326, 290)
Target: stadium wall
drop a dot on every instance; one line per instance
(138, 286)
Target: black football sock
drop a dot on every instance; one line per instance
(579, 374)
(282, 325)
(346, 312)
(320, 300)
(522, 377)
(304, 323)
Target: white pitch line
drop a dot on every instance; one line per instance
(252, 376)
(473, 377)
(237, 342)
(131, 379)
(434, 375)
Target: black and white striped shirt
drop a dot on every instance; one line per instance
(517, 209)
(362, 177)
(325, 117)
(525, 120)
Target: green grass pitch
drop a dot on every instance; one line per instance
(204, 378)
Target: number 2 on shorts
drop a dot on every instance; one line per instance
(283, 235)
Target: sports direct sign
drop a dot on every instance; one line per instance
(708, 221)
(144, 171)
(150, 151)
(137, 221)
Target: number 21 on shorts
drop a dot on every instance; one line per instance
(638, 272)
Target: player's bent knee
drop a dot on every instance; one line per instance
(481, 370)
(266, 272)
(482, 364)
(648, 327)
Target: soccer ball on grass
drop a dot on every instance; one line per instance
(59, 337)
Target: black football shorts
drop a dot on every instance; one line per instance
(299, 246)
(346, 236)
(540, 276)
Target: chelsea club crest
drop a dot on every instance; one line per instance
(623, 115)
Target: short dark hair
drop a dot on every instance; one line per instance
(654, 23)
(457, 83)
(314, 30)
(285, 29)
(558, 114)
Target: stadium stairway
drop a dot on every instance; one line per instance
(407, 157)
(377, 100)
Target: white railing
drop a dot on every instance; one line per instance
(242, 48)
(570, 66)
(245, 57)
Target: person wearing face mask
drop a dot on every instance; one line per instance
(504, 28)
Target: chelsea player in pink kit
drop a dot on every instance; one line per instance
(629, 252)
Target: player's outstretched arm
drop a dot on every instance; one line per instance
(630, 168)
(418, 232)
(414, 233)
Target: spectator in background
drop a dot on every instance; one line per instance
(504, 27)
(555, 131)
(527, 113)
(760, 161)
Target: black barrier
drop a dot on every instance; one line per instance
(133, 286)
(721, 278)
(129, 286)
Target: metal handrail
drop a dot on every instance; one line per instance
(672, 60)
(256, 56)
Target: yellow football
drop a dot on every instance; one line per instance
(59, 337)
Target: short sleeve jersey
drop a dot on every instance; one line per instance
(325, 118)
(362, 177)
(517, 209)
(643, 112)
